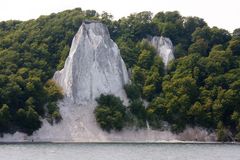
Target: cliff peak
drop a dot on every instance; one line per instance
(94, 65)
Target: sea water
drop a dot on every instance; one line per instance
(119, 151)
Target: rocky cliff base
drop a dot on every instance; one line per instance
(79, 125)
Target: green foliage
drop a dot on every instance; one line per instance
(4, 118)
(147, 54)
(198, 47)
(222, 133)
(236, 33)
(170, 24)
(148, 91)
(237, 137)
(129, 52)
(145, 59)
(57, 116)
(30, 52)
(28, 120)
(53, 91)
(234, 46)
(147, 73)
(200, 90)
(138, 76)
(110, 113)
(211, 36)
(136, 108)
(132, 91)
(52, 107)
(136, 26)
(138, 111)
(53, 114)
(156, 112)
(201, 87)
(192, 23)
(179, 51)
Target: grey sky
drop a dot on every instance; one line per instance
(220, 13)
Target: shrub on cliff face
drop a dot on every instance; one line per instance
(138, 113)
(110, 113)
(132, 91)
(53, 114)
(53, 91)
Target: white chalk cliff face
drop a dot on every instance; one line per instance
(94, 66)
(164, 48)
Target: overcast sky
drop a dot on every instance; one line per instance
(221, 13)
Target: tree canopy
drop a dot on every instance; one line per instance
(201, 87)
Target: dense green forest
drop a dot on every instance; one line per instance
(201, 87)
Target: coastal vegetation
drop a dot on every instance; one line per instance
(201, 87)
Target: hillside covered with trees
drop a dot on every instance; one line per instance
(201, 87)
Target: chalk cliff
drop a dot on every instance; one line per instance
(94, 65)
(164, 48)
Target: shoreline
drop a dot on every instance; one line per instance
(122, 142)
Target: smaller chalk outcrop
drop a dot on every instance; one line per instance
(164, 48)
